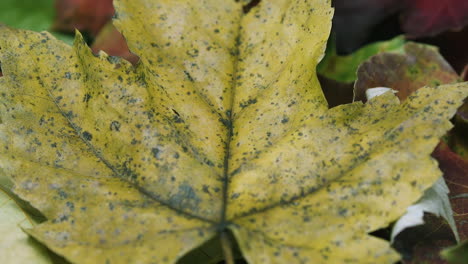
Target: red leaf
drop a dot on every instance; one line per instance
(456, 175)
(85, 15)
(113, 43)
(429, 17)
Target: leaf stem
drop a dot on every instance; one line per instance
(227, 248)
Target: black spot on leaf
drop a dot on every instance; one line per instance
(87, 97)
(115, 126)
(87, 136)
(156, 152)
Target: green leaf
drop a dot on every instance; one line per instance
(343, 68)
(15, 245)
(221, 127)
(34, 15)
(457, 254)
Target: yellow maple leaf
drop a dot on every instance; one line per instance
(221, 127)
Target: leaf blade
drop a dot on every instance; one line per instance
(15, 246)
(82, 157)
(203, 66)
(134, 151)
(342, 194)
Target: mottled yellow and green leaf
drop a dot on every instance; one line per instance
(221, 127)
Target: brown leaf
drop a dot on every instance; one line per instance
(422, 65)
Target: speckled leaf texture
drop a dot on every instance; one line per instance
(221, 126)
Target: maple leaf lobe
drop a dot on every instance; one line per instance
(286, 175)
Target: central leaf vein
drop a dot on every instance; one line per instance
(116, 172)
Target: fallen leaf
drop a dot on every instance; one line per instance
(421, 18)
(85, 15)
(421, 65)
(435, 201)
(423, 243)
(343, 68)
(456, 254)
(430, 67)
(455, 171)
(221, 127)
(15, 245)
(422, 232)
(34, 15)
(113, 43)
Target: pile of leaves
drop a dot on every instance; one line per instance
(229, 131)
